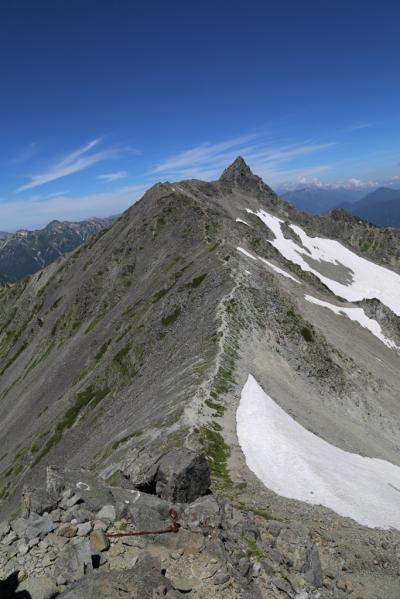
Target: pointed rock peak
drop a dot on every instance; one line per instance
(238, 173)
(237, 168)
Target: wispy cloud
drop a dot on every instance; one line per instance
(110, 177)
(37, 211)
(311, 181)
(357, 127)
(272, 161)
(76, 161)
(203, 157)
(25, 154)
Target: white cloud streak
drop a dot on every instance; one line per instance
(76, 161)
(271, 161)
(110, 177)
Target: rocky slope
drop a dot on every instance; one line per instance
(26, 252)
(142, 340)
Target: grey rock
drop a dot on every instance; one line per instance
(69, 502)
(9, 538)
(182, 476)
(22, 547)
(142, 581)
(140, 467)
(274, 528)
(4, 529)
(148, 512)
(55, 483)
(221, 578)
(313, 574)
(56, 515)
(74, 561)
(84, 529)
(67, 494)
(34, 526)
(77, 513)
(38, 587)
(282, 585)
(100, 525)
(203, 513)
(98, 541)
(107, 512)
(41, 501)
(67, 530)
(182, 585)
(244, 566)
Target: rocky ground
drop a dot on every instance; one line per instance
(73, 540)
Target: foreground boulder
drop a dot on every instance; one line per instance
(182, 476)
(144, 580)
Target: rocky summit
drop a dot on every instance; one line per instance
(202, 400)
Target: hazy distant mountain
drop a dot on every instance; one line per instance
(316, 200)
(26, 252)
(381, 207)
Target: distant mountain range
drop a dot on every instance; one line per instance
(25, 252)
(380, 207)
(316, 200)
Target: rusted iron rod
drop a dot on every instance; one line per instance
(175, 526)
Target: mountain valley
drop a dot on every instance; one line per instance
(25, 252)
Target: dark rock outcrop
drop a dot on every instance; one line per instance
(182, 476)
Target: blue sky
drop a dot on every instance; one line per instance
(100, 99)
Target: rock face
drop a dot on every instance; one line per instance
(144, 580)
(33, 527)
(218, 551)
(182, 476)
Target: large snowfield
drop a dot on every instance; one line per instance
(369, 280)
(297, 464)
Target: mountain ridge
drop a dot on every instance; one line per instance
(25, 252)
(161, 318)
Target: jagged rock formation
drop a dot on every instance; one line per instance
(140, 342)
(26, 252)
(81, 549)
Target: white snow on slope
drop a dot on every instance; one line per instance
(239, 220)
(369, 279)
(357, 315)
(275, 268)
(297, 464)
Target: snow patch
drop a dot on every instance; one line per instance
(357, 315)
(369, 280)
(278, 270)
(239, 220)
(297, 464)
